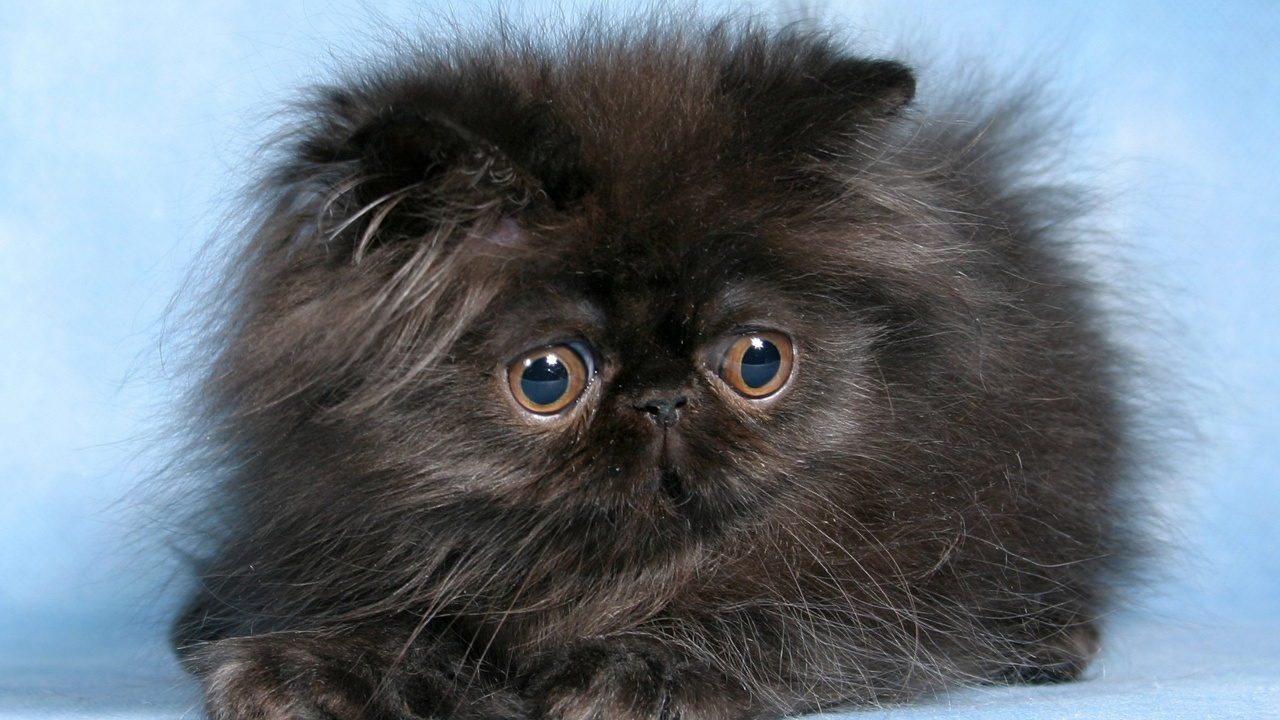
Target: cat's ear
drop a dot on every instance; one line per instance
(400, 174)
(792, 106)
(430, 152)
(873, 88)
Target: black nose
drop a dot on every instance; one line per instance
(664, 411)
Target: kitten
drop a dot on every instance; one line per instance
(673, 372)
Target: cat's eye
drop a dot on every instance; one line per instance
(550, 379)
(757, 364)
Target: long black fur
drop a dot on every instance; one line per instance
(935, 497)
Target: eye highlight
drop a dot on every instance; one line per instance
(757, 364)
(547, 380)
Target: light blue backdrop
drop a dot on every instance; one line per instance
(124, 125)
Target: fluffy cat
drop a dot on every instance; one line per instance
(681, 371)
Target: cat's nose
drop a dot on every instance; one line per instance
(664, 411)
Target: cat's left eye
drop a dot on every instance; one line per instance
(757, 364)
(548, 380)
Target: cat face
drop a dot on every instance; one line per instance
(655, 388)
(648, 389)
(588, 322)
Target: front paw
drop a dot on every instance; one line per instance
(290, 676)
(1061, 657)
(625, 681)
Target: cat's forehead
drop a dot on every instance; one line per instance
(624, 287)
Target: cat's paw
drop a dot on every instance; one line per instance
(624, 681)
(1061, 658)
(289, 676)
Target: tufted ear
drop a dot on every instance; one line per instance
(873, 87)
(436, 154)
(433, 154)
(811, 94)
(374, 172)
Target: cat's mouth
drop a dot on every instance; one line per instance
(673, 486)
(668, 493)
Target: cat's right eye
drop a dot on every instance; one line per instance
(549, 379)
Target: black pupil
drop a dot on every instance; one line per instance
(544, 380)
(760, 363)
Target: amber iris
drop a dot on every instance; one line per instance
(757, 364)
(549, 379)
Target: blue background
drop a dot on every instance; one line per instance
(126, 127)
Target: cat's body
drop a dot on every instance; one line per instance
(666, 375)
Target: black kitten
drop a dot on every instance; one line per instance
(672, 373)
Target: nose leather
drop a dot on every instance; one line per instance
(664, 411)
